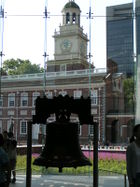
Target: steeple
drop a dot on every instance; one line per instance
(70, 42)
(71, 13)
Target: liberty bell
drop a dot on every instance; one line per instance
(62, 147)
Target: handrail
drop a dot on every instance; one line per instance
(56, 74)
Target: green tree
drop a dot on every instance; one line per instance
(2, 72)
(128, 85)
(18, 66)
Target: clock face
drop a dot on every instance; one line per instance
(66, 45)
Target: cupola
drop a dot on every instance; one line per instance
(71, 13)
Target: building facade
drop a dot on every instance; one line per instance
(120, 37)
(119, 119)
(19, 93)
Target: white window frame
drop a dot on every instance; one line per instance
(63, 93)
(34, 97)
(23, 122)
(24, 97)
(1, 101)
(77, 94)
(9, 124)
(94, 97)
(80, 129)
(91, 130)
(11, 99)
(49, 95)
(0, 126)
(122, 129)
(63, 67)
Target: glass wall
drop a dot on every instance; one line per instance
(72, 49)
(91, 54)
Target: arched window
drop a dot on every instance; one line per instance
(130, 126)
(78, 19)
(74, 18)
(115, 131)
(67, 18)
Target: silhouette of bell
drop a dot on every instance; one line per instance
(62, 147)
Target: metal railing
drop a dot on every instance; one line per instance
(84, 72)
(104, 147)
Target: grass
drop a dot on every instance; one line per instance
(110, 165)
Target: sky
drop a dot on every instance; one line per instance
(25, 36)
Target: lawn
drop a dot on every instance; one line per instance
(116, 165)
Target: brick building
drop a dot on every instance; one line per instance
(119, 119)
(20, 91)
(69, 73)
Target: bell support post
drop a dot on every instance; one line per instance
(29, 154)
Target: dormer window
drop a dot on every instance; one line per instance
(73, 18)
(67, 18)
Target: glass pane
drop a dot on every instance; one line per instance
(94, 52)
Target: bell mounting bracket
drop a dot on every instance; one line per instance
(63, 107)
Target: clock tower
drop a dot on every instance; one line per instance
(70, 40)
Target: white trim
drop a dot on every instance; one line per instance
(62, 92)
(94, 97)
(56, 87)
(1, 126)
(25, 123)
(91, 130)
(24, 97)
(49, 94)
(120, 116)
(34, 97)
(37, 76)
(9, 124)
(77, 93)
(11, 98)
(1, 101)
(80, 130)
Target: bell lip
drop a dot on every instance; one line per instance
(40, 161)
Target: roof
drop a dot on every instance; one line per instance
(71, 4)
